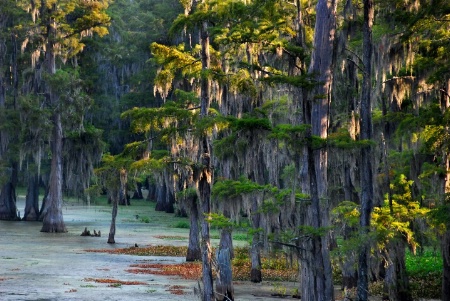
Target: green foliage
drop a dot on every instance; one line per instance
(346, 214)
(219, 221)
(342, 139)
(249, 123)
(225, 188)
(392, 220)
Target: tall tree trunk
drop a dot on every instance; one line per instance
(446, 266)
(115, 204)
(366, 152)
(205, 176)
(204, 188)
(32, 199)
(8, 209)
(193, 253)
(52, 214)
(317, 282)
(445, 244)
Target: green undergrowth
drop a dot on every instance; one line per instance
(425, 273)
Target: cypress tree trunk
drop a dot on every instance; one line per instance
(366, 152)
(317, 282)
(8, 209)
(446, 266)
(255, 254)
(160, 196)
(52, 214)
(224, 282)
(445, 244)
(115, 203)
(193, 253)
(205, 175)
(396, 279)
(32, 199)
(204, 188)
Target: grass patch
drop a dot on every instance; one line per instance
(236, 236)
(181, 225)
(171, 237)
(144, 219)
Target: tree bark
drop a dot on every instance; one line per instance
(32, 199)
(8, 209)
(224, 255)
(52, 214)
(366, 152)
(204, 188)
(115, 204)
(396, 280)
(445, 243)
(205, 176)
(193, 253)
(255, 254)
(317, 282)
(446, 266)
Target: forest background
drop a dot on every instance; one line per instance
(321, 125)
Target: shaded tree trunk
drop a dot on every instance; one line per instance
(204, 188)
(204, 181)
(8, 209)
(160, 196)
(446, 266)
(115, 204)
(396, 280)
(366, 153)
(255, 254)
(445, 243)
(193, 253)
(124, 199)
(52, 213)
(32, 199)
(52, 216)
(224, 255)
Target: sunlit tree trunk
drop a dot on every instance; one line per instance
(317, 282)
